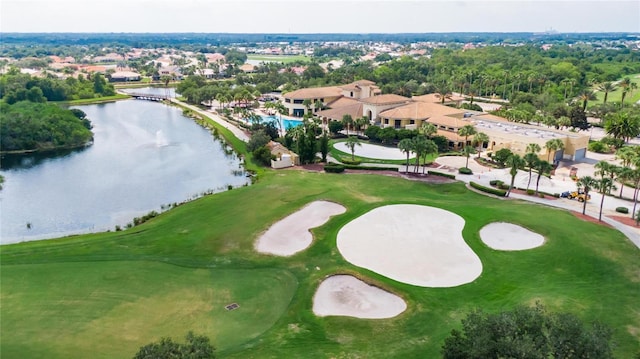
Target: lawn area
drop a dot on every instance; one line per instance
(114, 292)
(616, 96)
(278, 58)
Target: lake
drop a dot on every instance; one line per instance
(145, 156)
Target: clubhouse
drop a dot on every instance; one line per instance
(363, 99)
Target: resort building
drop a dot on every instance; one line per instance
(362, 99)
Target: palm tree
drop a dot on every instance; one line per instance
(624, 174)
(586, 183)
(443, 93)
(553, 145)
(430, 148)
(625, 83)
(531, 160)
(622, 125)
(585, 96)
(606, 87)
(467, 151)
(318, 105)
(542, 167)
(606, 169)
(307, 104)
(360, 122)
(480, 139)
(406, 145)
(352, 142)
(428, 129)
(466, 131)
(347, 120)
(514, 161)
(419, 146)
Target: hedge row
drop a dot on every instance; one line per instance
(482, 188)
(447, 175)
(347, 161)
(333, 168)
(370, 168)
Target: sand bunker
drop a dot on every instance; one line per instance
(348, 296)
(413, 244)
(509, 237)
(374, 151)
(291, 234)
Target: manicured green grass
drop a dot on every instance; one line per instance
(615, 96)
(584, 268)
(278, 58)
(105, 309)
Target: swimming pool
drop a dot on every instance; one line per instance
(287, 123)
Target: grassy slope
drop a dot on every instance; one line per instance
(583, 268)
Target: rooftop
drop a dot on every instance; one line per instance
(387, 99)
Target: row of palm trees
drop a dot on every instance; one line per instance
(421, 146)
(608, 174)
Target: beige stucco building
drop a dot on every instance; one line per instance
(362, 99)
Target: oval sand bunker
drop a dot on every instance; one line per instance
(509, 237)
(291, 234)
(346, 295)
(418, 245)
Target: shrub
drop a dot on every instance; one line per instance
(622, 210)
(496, 183)
(447, 175)
(530, 192)
(503, 186)
(556, 195)
(490, 190)
(333, 168)
(369, 168)
(348, 161)
(599, 147)
(465, 171)
(541, 195)
(263, 156)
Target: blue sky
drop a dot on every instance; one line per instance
(312, 16)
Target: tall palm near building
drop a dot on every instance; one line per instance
(542, 167)
(514, 162)
(553, 145)
(406, 145)
(586, 183)
(480, 139)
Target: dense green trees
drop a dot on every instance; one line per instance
(31, 126)
(527, 333)
(16, 87)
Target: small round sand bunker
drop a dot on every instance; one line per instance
(291, 234)
(509, 237)
(418, 245)
(345, 295)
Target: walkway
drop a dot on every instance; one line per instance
(557, 184)
(235, 130)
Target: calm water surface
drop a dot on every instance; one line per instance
(145, 155)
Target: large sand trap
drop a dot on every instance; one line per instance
(291, 234)
(374, 151)
(349, 296)
(413, 244)
(509, 237)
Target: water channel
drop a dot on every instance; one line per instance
(145, 156)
